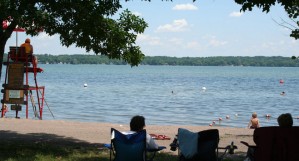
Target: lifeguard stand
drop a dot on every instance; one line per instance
(15, 90)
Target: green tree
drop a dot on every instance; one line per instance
(290, 6)
(87, 24)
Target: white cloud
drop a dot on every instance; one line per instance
(43, 36)
(213, 41)
(194, 45)
(268, 45)
(176, 26)
(236, 14)
(217, 43)
(282, 42)
(294, 42)
(146, 39)
(176, 41)
(276, 47)
(185, 7)
(137, 13)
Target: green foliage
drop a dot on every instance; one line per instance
(14, 151)
(294, 57)
(223, 61)
(276, 61)
(290, 6)
(87, 24)
(29, 151)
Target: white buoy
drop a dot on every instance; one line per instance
(85, 84)
(204, 88)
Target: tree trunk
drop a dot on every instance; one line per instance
(2, 47)
(4, 36)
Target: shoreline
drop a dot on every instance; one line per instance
(99, 133)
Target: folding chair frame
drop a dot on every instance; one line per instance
(228, 149)
(145, 153)
(141, 136)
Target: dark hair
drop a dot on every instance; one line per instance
(137, 123)
(285, 120)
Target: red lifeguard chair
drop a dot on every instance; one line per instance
(15, 90)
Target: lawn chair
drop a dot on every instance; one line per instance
(200, 146)
(275, 144)
(131, 147)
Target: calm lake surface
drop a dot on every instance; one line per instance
(168, 95)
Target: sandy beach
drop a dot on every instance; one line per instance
(97, 134)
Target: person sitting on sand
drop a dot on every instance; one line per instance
(285, 120)
(137, 124)
(254, 121)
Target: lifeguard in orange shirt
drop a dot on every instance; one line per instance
(28, 47)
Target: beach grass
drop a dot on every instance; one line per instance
(32, 151)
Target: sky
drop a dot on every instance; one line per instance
(204, 28)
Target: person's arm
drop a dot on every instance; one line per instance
(31, 49)
(151, 144)
(249, 124)
(258, 123)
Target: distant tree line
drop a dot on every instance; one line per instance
(274, 61)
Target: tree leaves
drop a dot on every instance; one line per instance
(290, 6)
(87, 24)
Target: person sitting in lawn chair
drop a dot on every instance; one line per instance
(138, 124)
(134, 144)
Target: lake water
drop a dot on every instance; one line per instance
(168, 95)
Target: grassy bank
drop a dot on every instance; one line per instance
(16, 151)
(45, 151)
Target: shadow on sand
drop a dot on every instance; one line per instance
(29, 146)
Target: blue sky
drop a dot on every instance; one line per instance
(200, 29)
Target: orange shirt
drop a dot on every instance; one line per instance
(28, 48)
